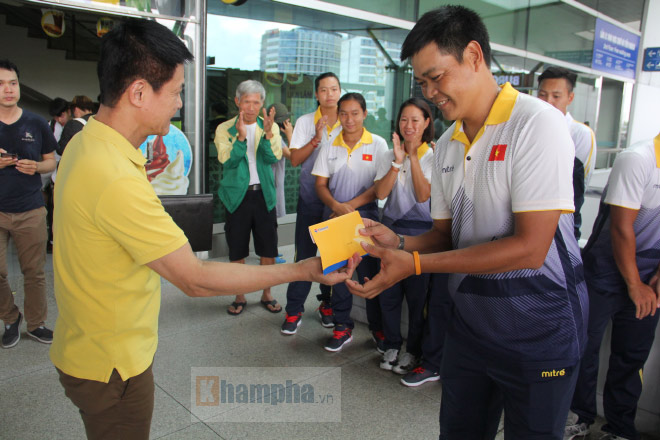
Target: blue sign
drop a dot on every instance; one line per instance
(651, 59)
(615, 50)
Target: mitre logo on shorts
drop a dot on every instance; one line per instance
(553, 373)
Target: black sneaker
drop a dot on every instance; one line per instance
(379, 339)
(42, 334)
(12, 333)
(325, 313)
(291, 324)
(339, 338)
(419, 376)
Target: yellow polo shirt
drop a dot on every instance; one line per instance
(108, 224)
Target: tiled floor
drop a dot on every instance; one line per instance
(199, 333)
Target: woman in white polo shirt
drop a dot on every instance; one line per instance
(404, 179)
(311, 132)
(345, 170)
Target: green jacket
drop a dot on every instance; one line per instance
(232, 154)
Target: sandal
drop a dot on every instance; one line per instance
(236, 305)
(272, 303)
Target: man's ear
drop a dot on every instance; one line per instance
(473, 54)
(136, 92)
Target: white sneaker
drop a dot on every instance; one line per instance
(577, 430)
(608, 436)
(406, 364)
(389, 359)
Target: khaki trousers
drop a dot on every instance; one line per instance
(28, 230)
(117, 410)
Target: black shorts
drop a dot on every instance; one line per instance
(251, 215)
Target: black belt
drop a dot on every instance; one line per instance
(255, 187)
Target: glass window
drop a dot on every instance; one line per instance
(298, 61)
(404, 9)
(562, 32)
(628, 12)
(506, 21)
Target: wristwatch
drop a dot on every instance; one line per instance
(401, 242)
(397, 165)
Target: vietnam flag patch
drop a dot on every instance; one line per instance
(368, 157)
(497, 153)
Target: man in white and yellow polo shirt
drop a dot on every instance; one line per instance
(501, 185)
(556, 86)
(113, 239)
(621, 266)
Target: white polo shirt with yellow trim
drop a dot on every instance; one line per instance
(585, 145)
(351, 171)
(402, 213)
(634, 183)
(109, 224)
(303, 132)
(521, 160)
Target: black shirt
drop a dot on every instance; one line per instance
(70, 129)
(30, 137)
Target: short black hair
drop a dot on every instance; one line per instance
(553, 72)
(355, 97)
(451, 28)
(8, 65)
(138, 48)
(58, 106)
(429, 133)
(322, 76)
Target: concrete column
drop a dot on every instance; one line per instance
(644, 122)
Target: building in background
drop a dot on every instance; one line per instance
(364, 68)
(300, 50)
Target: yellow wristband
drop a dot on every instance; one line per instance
(418, 265)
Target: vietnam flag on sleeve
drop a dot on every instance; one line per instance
(497, 153)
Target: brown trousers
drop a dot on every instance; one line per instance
(28, 230)
(117, 410)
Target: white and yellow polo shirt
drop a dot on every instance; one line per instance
(303, 132)
(634, 183)
(402, 213)
(585, 145)
(521, 160)
(351, 171)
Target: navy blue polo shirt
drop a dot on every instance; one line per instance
(30, 137)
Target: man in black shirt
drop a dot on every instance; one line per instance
(26, 150)
(82, 109)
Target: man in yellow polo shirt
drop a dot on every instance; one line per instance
(114, 239)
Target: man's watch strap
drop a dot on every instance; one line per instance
(402, 242)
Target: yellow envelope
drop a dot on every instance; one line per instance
(338, 239)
